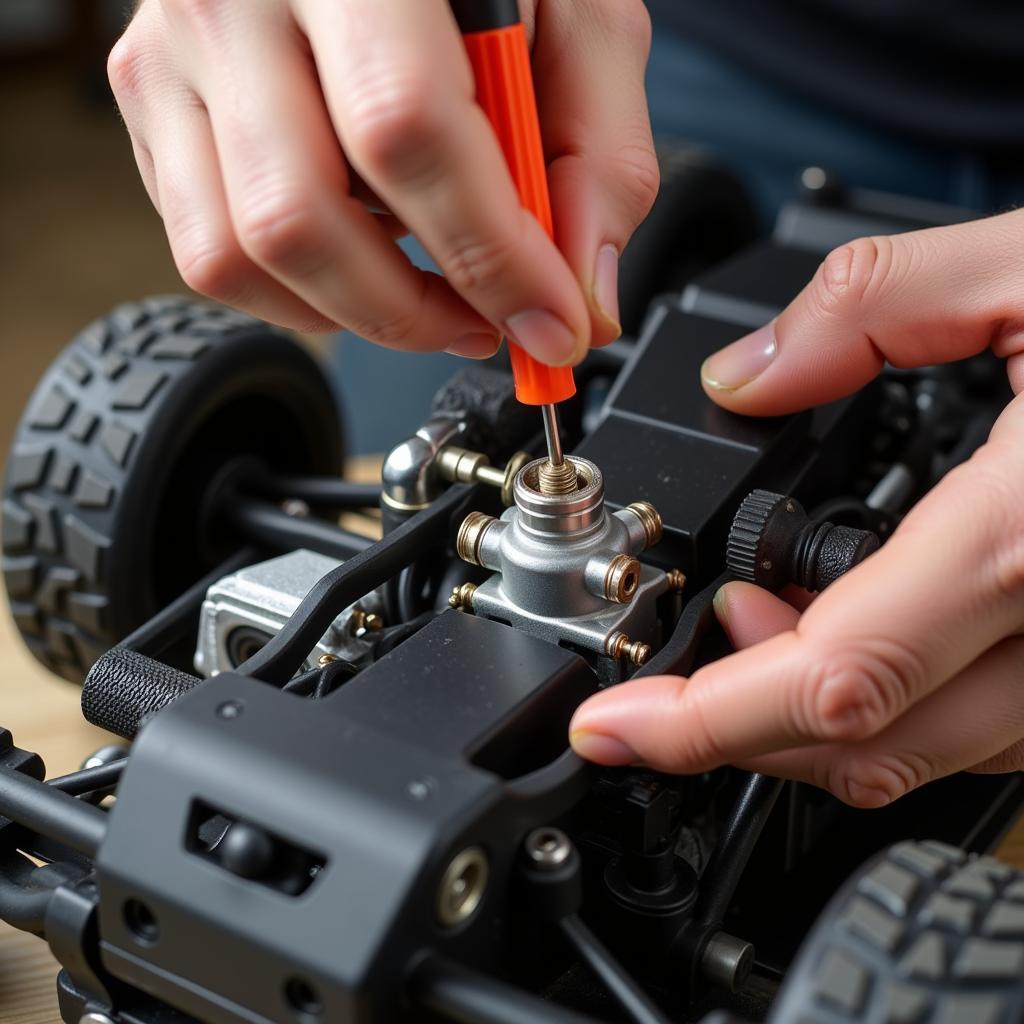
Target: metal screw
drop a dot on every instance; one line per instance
(676, 579)
(362, 622)
(94, 1017)
(230, 709)
(462, 887)
(326, 659)
(619, 645)
(462, 596)
(460, 465)
(548, 848)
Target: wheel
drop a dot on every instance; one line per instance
(923, 934)
(701, 216)
(107, 495)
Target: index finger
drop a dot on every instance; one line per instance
(402, 99)
(946, 588)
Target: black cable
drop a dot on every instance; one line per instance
(677, 656)
(468, 997)
(88, 780)
(265, 523)
(51, 813)
(303, 684)
(639, 1007)
(409, 585)
(735, 845)
(318, 491)
(282, 655)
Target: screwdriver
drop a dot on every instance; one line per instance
(499, 53)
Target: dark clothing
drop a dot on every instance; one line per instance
(946, 71)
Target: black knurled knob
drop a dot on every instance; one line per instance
(773, 543)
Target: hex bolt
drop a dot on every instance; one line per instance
(460, 465)
(676, 579)
(620, 646)
(547, 848)
(471, 533)
(462, 596)
(462, 887)
(622, 579)
(727, 961)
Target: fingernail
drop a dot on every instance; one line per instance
(543, 335)
(606, 284)
(593, 746)
(721, 606)
(478, 345)
(741, 362)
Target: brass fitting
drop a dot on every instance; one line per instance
(649, 519)
(365, 622)
(471, 533)
(676, 579)
(620, 646)
(622, 579)
(460, 465)
(462, 596)
(326, 659)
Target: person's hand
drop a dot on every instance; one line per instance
(911, 666)
(288, 143)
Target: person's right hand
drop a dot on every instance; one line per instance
(264, 129)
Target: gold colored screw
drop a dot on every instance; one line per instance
(620, 646)
(326, 659)
(558, 480)
(676, 579)
(365, 622)
(462, 596)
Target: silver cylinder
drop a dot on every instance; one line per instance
(560, 514)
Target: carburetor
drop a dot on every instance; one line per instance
(566, 569)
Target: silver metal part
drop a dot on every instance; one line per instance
(256, 602)
(92, 1017)
(410, 475)
(727, 961)
(547, 848)
(553, 435)
(565, 567)
(462, 887)
(893, 491)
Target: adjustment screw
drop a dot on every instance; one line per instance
(462, 887)
(462, 596)
(676, 579)
(547, 848)
(326, 659)
(619, 645)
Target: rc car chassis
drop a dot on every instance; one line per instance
(348, 795)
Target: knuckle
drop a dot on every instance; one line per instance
(479, 265)
(870, 781)
(395, 128)
(636, 167)
(125, 65)
(283, 232)
(201, 14)
(850, 273)
(398, 330)
(696, 744)
(216, 271)
(854, 694)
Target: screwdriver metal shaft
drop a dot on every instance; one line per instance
(552, 433)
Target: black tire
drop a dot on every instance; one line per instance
(107, 493)
(702, 215)
(922, 934)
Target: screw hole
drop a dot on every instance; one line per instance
(141, 922)
(303, 998)
(629, 584)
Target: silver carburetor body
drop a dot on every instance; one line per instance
(566, 568)
(250, 606)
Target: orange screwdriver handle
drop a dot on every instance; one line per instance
(500, 55)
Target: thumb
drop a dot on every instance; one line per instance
(930, 296)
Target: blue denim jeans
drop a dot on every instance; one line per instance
(764, 133)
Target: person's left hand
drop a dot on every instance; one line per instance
(910, 667)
